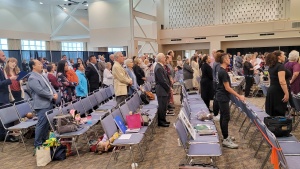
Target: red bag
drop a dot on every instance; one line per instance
(134, 121)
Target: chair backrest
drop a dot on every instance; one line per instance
(296, 103)
(117, 112)
(261, 126)
(136, 101)
(186, 105)
(108, 92)
(150, 79)
(181, 133)
(86, 104)
(104, 94)
(50, 116)
(67, 107)
(79, 107)
(112, 90)
(9, 115)
(132, 106)
(186, 109)
(99, 97)
(124, 110)
(23, 107)
(109, 126)
(93, 100)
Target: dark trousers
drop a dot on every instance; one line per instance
(207, 103)
(162, 108)
(216, 108)
(42, 126)
(225, 118)
(120, 99)
(249, 83)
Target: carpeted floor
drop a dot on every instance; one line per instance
(163, 152)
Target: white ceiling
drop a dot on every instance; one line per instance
(65, 3)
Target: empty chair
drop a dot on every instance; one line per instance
(23, 107)
(211, 150)
(110, 129)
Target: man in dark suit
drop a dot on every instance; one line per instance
(93, 74)
(162, 88)
(4, 93)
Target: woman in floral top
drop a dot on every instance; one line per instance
(67, 88)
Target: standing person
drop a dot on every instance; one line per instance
(67, 88)
(65, 58)
(15, 89)
(223, 97)
(79, 60)
(25, 66)
(52, 78)
(82, 88)
(4, 93)
(163, 89)
(108, 78)
(238, 63)
(121, 78)
(139, 72)
(196, 75)
(92, 74)
(278, 94)
(129, 69)
(212, 57)
(207, 92)
(248, 73)
(42, 94)
(188, 74)
(169, 69)
(101, 65)
(111, 60)
(294, 67)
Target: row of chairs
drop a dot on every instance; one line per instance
(286, 148)
(201, 146)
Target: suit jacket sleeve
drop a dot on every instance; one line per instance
(161, 79)
(119, 74)
(88, 71)
(36, 86)
(5, 83)
(188, 68)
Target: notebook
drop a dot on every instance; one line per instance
(123, 127)
(22, 75)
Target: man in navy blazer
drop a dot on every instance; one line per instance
(162, 89)
(43, 95)
(4, 93)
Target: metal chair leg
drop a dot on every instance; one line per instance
(110, 156)
(266, 159)
(243, 123)
(75, 145)
(142, 155)
(236, 119)
(5, 140)
(252, 137)
(247, 129)
(132, 155)
(262, 139)
(21, 135)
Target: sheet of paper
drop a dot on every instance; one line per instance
(125, 136)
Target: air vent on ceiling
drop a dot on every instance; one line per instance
(295, 24)
(266, 34)
(175, 39)
(231, 36)
(200, 38)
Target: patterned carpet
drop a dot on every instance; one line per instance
(163, 152)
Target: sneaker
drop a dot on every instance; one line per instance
(231, 138)
(217, 118)
(229, 143)
(170, 113)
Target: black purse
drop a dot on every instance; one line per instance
(145, 98)
(280, 126)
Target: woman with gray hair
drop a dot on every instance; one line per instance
(129, 70)
(108, 78)
(293, 66)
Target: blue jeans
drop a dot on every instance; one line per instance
(42, 126)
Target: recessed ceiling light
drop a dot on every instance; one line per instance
(65, 0)
(86, 5)
(64, 8)
(41, 3)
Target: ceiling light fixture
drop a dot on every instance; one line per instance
(66, 0)
(64, 8)
(41, 3)
(86, 5)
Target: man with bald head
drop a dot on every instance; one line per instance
(43, 95)
(162, 88)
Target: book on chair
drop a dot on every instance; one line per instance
(121, 125)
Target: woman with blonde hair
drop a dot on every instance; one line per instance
(16, 92)
(196, 75)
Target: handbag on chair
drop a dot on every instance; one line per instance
(134, 121)
(280, 126)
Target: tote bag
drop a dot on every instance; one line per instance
(43, 156)
(134, 121)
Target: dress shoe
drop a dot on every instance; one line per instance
(163, 125)
(167, 122)
(171, 106)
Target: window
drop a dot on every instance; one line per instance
(33, 45)
(72, 46)
(115, 49)
(3, 44)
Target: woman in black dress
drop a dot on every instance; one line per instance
(277, 95)
(248, 73)
(207, 92)
(138, 71)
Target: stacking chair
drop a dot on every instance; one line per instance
(9, 115)
(296, 101)
(110, 95)
(110, 129)
(211, 150)
(74, 135)
(67, 107)
(150, 79)
(23, 107)
(94, 104)
(264, 88)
